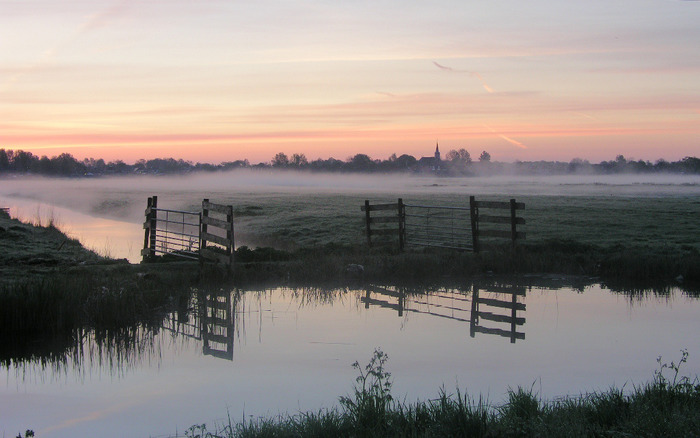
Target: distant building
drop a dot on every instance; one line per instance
(430, 164)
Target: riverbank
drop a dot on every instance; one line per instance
(35, 251)
(51, 284)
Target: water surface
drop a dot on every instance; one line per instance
(283, 350)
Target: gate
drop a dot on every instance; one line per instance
(171, 232)
(190, 235)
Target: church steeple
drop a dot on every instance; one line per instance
(437, 152)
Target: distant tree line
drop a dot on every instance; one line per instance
(456, 163)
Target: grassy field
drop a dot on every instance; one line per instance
(619, 229)
(288, 210)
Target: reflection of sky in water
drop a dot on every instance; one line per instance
(293, 353)
(113, 238)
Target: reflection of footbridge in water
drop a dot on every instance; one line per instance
(492, 310)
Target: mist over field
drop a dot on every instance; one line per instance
(125, 197)
(288, 209)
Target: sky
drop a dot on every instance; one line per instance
(215, 80)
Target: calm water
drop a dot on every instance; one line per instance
(264, 352)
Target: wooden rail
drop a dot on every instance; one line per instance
(397, 215)
(224, 252)
(427, 227)
(477, 219)
(511, 319)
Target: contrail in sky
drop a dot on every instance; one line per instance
(506, 138)
(471, 73)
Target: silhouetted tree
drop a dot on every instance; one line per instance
(405, 162)
(24, 161)
(4, 161)
(299, 160)
(361, 163)
(461, 155)
(485, 157)
(280, 160)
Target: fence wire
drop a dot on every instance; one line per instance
(438, 226)
(178, 233)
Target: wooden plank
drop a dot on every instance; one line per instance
(217, 353)
(387, 292)
(377, 207)
(384, 232)
(381, 303)
(221, 339)
(223, 209)
(499, 204)
(216, 239)
(499, 332)
(501, 304)
(384, 220)
(423, 312)
(216, 304)
(510, 290)
(215, 256)
(216, 222)
(500, 318)
(501, 233)
(499, 219)
(215, 320)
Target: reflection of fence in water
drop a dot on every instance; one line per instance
(481, 306)
(439, 226)
(490, 308)
(211, 322)
(217, 326)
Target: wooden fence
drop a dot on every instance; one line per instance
(444, 226)
(512, 221)
(217, 229)
(206, 236)
(394, 214)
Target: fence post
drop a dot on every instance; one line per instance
(203, 229)
(474, 216)
(229, 236)
(154, 224)
(147, 227)
(402, 223)
(513, 230)
(369, 229)
(474, 320)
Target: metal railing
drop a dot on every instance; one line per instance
(178, 233)
(171, 232)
